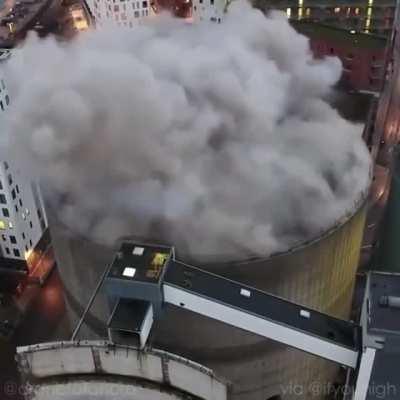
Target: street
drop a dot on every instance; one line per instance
(46, 320)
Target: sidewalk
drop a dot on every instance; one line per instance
(8, 4)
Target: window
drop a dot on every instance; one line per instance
(116, 8)
(26, 248)
(5, 212)
(7, 250)
(4, 238)
(3, 199)
(1, 106)
(30, 224)
(39, 214)
(13, 239)
(30, 242)
(2, 224)
(16, 253)
(129, 272)
(212, 2)
(133, 5)
(1, 185)
(201, 1)
(3, 85)
(23, 235)
(7, 99)
(13, 194)
(123, 16)
(144, 4)
(20, 202)
(332, 51)
(10, 181)
(138, 251)
(137, 14)
(16, 208)
(124, 7)
(17, 188)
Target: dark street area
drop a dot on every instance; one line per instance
(45, 320)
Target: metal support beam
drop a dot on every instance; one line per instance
(364, 374)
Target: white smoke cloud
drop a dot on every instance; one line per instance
(216, 138)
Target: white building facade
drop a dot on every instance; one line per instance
(208, 10)
(24, 235)
(120, 12)
(131, 12)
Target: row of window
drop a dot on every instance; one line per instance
(13, 239)
(15, 251)
(7, 101)
(144, 3)
(134, 6)
(10, 182)
(3, 224)
(3, 199)
(124, 17)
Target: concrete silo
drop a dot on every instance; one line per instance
(318, 274)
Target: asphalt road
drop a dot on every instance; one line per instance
(46, 320)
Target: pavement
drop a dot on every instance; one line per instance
(45, 320)
(8, 4)
(36, 11)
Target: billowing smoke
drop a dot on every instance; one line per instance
(214, 137)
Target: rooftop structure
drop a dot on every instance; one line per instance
(381, 332)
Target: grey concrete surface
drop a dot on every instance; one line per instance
(75, 370)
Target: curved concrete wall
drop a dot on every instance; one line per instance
(319, 274)
(83, 370)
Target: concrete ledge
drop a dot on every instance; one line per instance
(94, 359)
